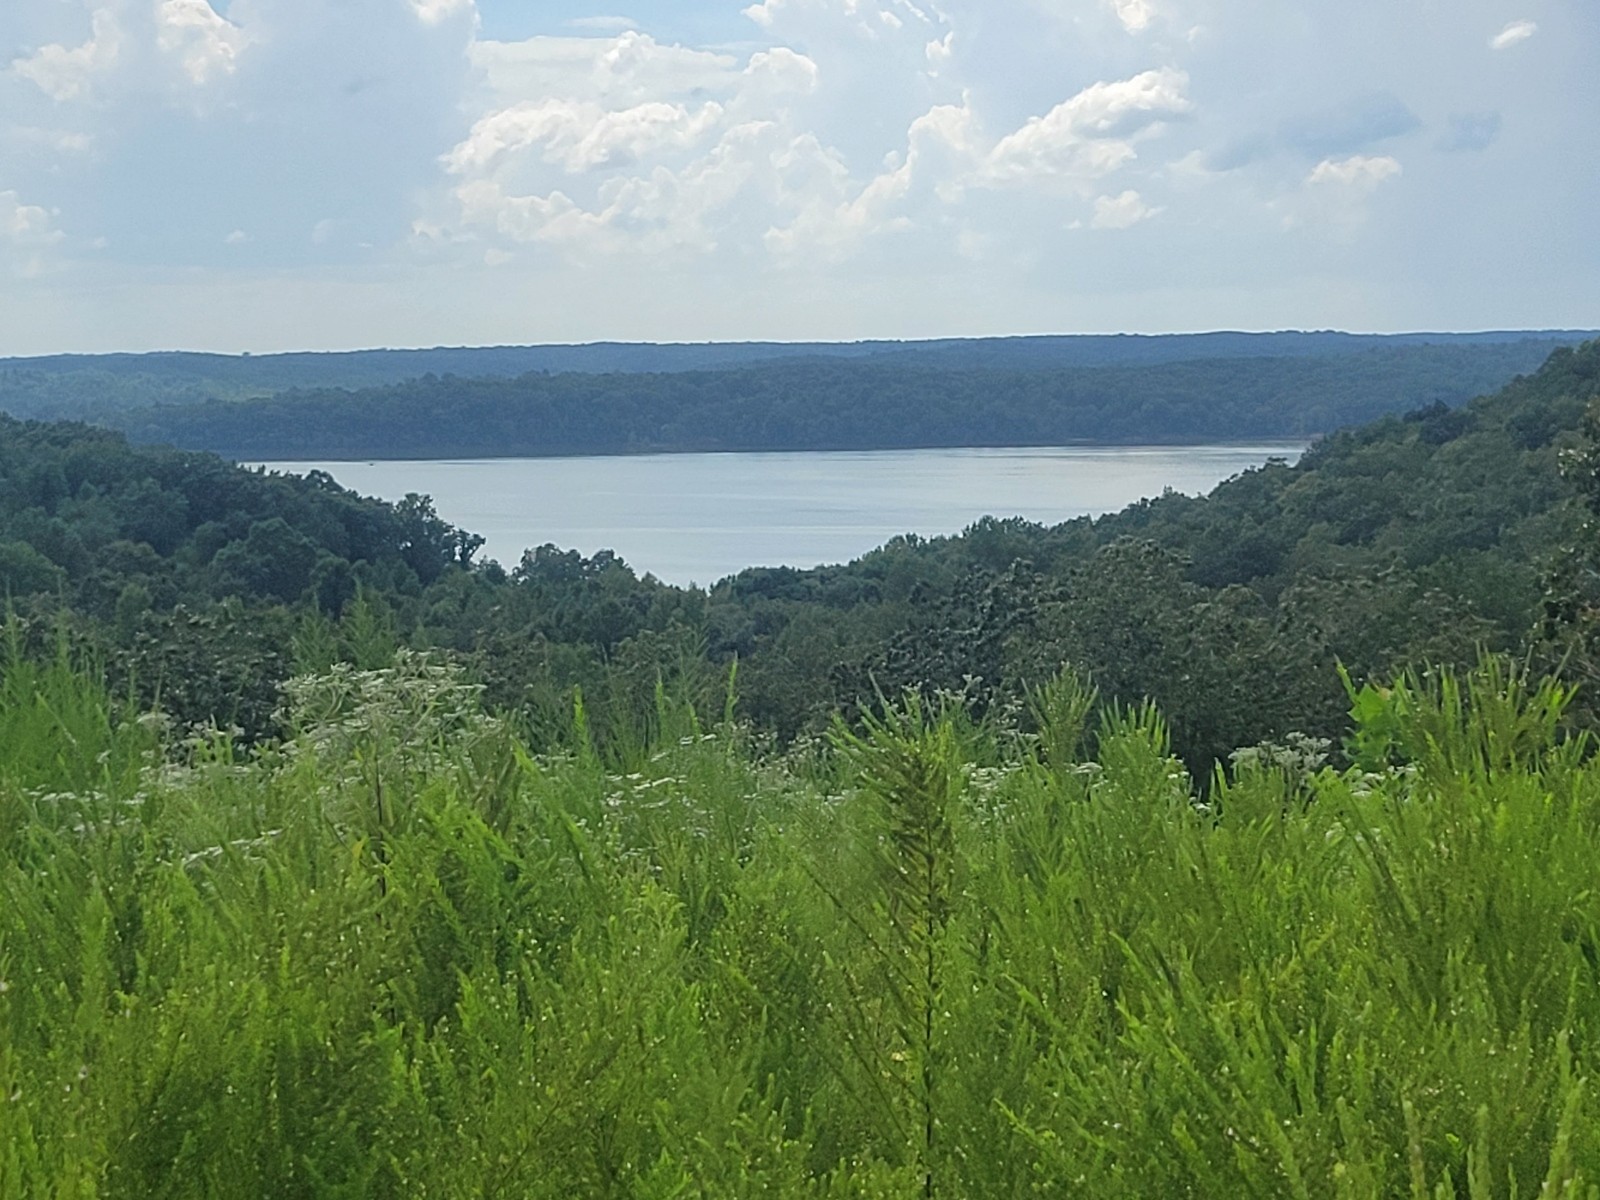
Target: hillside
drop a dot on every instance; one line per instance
(832, 405)
(80, 387)
(1413, 539)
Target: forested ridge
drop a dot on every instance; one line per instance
(81, 385)
(827, 404)
(1236, 845)
(1414, 538)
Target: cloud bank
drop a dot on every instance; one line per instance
(427, 170)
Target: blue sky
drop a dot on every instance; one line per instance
(279, 174)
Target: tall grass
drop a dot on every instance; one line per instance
(400, 955)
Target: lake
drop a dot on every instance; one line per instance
(695, 518)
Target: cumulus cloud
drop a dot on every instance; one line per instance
(753, 172)
(582, 136)
(764, 14)
(870, 19)
(1513, 34)
(670, 149)
(631, 68)
(1091, 134)
(717, 160)
(1121, 212)
(863, 144)
(190, 32)
(1135, 15)
(1337, 195)
(66, 73)
(940, 144)
(1357, 171)
(432, 12)
(203, 41)
(26, 232)
(25, 224)
(263, 115)
(783, 70)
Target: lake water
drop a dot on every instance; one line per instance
(699, 517)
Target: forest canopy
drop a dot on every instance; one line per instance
(831, 404)
(1416, 538)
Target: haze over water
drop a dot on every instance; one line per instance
(695, 518)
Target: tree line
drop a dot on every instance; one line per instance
(1417, 538)
(824, 404)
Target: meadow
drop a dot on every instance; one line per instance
(398, 953)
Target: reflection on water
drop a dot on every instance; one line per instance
(698, 517)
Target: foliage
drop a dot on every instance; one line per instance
(929, 961)
(89, 387)
(1413, 540)
(830, 403)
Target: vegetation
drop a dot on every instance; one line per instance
(883, 402)
(1413, 540)
(402, 954)
(85, 386)
(334, 862)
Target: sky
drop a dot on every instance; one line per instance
(264, 175)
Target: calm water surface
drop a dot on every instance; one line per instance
(694, 518)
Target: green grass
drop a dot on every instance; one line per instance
(401, 956)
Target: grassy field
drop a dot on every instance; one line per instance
(398, 955)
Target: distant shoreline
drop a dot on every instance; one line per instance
(1295, 445)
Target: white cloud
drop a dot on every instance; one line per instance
(759, 186)
(206, 43)
(764, 14)
(237, 238)
(582, 136)
(1512, 34)
(940, 145)
(1358, 171)
(1090, 135)
(631, 68)
(868, 17)
(662, 166)
(1121, 212)
(66, 73)
(1337, 192)
(434, 11)
(784, 70)
(757, 176)
(724, 193)
(883, 149)
(25, 224)
(1135, 15)
(26, 231)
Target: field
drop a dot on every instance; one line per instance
(397, 954)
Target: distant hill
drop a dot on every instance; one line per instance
(887, 401)
(89, 386)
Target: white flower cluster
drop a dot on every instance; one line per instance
(1299, 756)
